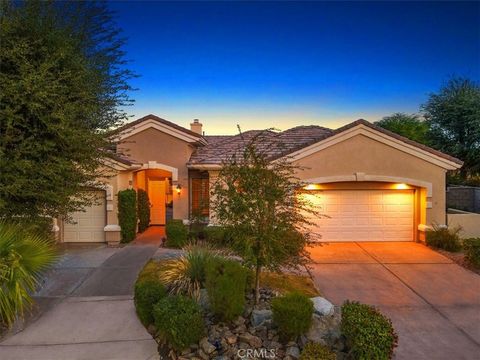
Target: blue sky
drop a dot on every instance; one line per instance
(282, 64)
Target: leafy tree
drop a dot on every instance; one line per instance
(63, 82)
(256, 200)
(409, 126)
(453, 116)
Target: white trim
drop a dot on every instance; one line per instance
(154, 124)
(423, 227)
(359, 177)
(378, 136)
(112, 228)
(156, 165)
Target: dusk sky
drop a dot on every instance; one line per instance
(284, 64)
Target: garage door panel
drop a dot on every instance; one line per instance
(364, 215)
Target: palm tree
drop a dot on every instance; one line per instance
(24, 255)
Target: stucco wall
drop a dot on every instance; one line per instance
(469, 222)
(361, 154)
(154, 145)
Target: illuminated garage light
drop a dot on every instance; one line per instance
(400, 186)
(312, 187)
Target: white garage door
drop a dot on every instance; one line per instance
(88, 226)
(364, 215)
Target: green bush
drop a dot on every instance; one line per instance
(23, 257)
(177, 233)
(315, 351)
(179, 320)
(472, 251)
(444, 238)
(225, 281)
(127, 214)
(215, 235)
(143, 208)
(369, 333)
(147, 294)
(293, 314)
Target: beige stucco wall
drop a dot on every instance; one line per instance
(361, 154)
(154, 145)
(469, 222)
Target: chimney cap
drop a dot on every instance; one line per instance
(196, 121)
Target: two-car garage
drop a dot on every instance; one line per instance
(364, 215)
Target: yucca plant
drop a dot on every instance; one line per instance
(186, 275)
(23, 257)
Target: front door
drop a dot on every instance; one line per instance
(156, 194)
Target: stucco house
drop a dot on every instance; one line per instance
(374, 185)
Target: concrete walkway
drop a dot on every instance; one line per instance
(434, 304)
(86, 310)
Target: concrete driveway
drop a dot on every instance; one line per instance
(85, 309)
(434, 304)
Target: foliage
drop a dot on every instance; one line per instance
(472, 251)
(143, 207)
(147, 294)
(288, 282)
(444, 238)
(453, 116)
(315, 351)
(23, 258)
(225, 282)
(177, 233)
(256, 200)
(63, 84)
(215, 235)
(369, 333)
(179, 320)
(186, 275)
(150, 271)
(293, 314)
(409, 126)
(127, 214)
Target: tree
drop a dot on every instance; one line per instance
(409, 126)
(453, 116)
(257, 201)
(63, 82)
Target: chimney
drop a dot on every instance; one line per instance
(196, 126)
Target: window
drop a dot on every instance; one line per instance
(200, 196)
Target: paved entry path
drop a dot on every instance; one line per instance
(86, 310)
(434, 304)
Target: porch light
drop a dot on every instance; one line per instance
(400, 186)
(311, 187)
(178, 188)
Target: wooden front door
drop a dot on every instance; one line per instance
(156, 194)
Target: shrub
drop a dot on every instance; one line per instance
(444, 238)
(143, 208)
(177, 233)
(369, 333)
(216, 235)
(23, 257)
(186, 275)
(315, 351)
(472, 251)
(293, 314)
(147, 294)
(226, 282)
(179, 320)
(127, 214)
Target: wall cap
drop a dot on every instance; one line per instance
(112, 227)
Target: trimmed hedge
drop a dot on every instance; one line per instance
(177, 233)
(444, 238)
(143, 209)
(472, 251)
(127, 214)
(179, 320)
(293, 314)
(369, 333)
(216, 235)
(147, 294)
(225, 282)
(315, 351)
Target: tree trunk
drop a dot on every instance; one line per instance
(257, 283)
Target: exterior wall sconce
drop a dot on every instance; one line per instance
(178, 189)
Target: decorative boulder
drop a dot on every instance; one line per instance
(322, 306)
(260, 316)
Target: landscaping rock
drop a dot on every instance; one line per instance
(251, 340)
(325, 329)
(231, 339)
(293, 351)
(322, 306)
(260, 316)
(206, 346)
(203, 299)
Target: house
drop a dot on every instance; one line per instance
(374, 185)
